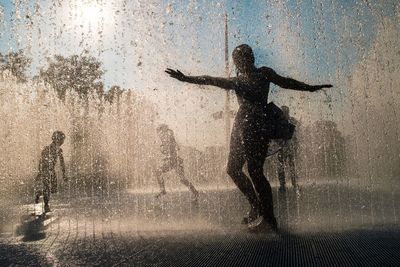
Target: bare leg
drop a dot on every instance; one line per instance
(37, 196)
(236, 162)
(46, 194)
(38, 187)
(181, 173)
(256, 149)
(281, 171)
(262, 186)
(189, 185)
(160, 180)
(53, 183)
(293, 175)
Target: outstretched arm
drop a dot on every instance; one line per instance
(224, 83)
(289, 83)
(241, 89)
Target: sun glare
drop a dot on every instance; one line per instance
(91, 13)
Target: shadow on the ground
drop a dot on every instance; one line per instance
(31, 228)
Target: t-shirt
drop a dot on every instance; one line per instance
(49, 158)
(169, 146)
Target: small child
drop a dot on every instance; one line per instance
(47, 174)
(171, 160)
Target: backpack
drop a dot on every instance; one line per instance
(278, 126)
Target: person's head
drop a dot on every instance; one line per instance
(243, 58)
(58, 138)
(285, 110)
(162, 129)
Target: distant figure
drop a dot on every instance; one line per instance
(171, 161)
(249, 138)
(47, 173)
(286, 157)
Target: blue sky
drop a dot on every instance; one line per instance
(317, 23)
(315, 41)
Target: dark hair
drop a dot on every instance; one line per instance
(57, 136)
(162, 127)
(243, 52)
(285, 107)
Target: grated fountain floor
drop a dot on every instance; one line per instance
(359, 230)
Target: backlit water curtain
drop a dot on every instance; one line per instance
(95, 70)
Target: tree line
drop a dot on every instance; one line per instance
(80, 73)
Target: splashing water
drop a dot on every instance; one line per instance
(347, 159)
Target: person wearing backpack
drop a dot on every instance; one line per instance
(251, 131)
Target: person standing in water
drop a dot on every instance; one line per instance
(47, 169)
(286, 157)
(249, 138)
(171, 161)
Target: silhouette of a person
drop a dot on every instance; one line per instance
(171, 161)
(47, 172)
(286, 157)
(249, 141)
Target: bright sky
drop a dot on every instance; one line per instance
(316, 41)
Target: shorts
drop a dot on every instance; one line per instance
(172, 164)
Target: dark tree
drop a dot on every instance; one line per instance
(114, 93)
(80, 73)
(17, 63)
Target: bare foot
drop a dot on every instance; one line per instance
(163, 192)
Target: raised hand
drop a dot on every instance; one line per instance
(176, 74)
(314, 88)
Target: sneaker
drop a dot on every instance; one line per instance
(47, 208)
(251, 216)
(261, 224)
